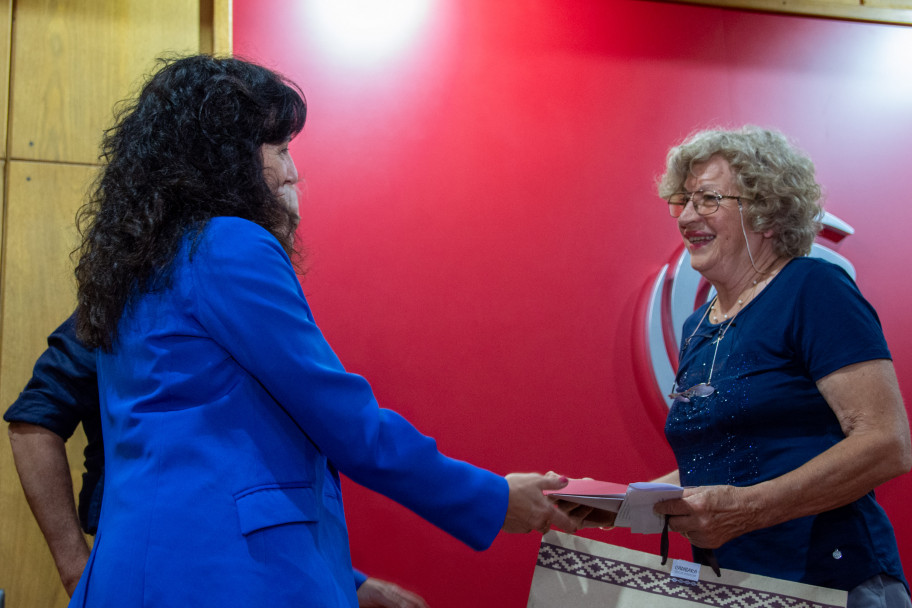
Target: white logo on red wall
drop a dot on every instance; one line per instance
(678, 290)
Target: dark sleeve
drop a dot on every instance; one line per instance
(63, 390)
(836, 325)
(62, 393)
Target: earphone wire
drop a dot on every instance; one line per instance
(746, 242)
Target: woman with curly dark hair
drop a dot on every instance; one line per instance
(185, 151)
(226, 416)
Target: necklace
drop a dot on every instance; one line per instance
(703, 389)
(756, 287)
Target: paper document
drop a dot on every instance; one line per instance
(636, 511)
(632, 503)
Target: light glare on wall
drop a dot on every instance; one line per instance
(895, 50)
(366, 31)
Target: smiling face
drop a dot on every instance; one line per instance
(716, 242)
(281, 175)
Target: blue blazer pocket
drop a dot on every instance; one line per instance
(269, 506)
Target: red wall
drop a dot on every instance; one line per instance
(481, 223)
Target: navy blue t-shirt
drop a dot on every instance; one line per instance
(63, 392)
(766, 418)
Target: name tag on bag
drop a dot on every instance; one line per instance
(683, 571)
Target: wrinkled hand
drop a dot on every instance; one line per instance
(377, 593)
(585, 517)
(710, 516)
(529, 509)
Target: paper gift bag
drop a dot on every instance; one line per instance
(581, 573)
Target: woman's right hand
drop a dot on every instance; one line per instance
(529, 509)
(710, 516)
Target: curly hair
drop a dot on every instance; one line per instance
(185, 150)
(772, 173)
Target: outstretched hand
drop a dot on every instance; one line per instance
(529, 509)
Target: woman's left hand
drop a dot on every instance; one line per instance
(709, 516)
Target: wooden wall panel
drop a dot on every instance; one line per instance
(6, 17)
(6, 7)
(38, 275)
(881, 11)
(223, 40)
(72, 60)
(215, 27)
(39, 293)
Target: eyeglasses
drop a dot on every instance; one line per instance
(705, 202)
(704, 389)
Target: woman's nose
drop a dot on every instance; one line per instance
(689, 213)
(291, 172)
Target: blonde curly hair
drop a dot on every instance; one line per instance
(772, 174)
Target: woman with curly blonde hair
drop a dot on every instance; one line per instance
(786, 411)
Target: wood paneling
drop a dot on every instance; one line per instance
(39, 289)
(73, 60)
(39, 292)
(6, 17)
(222, 28)
(882, 11)
(215, 27)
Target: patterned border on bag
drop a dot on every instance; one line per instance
(650, 580)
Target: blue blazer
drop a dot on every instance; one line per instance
(227, 419)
